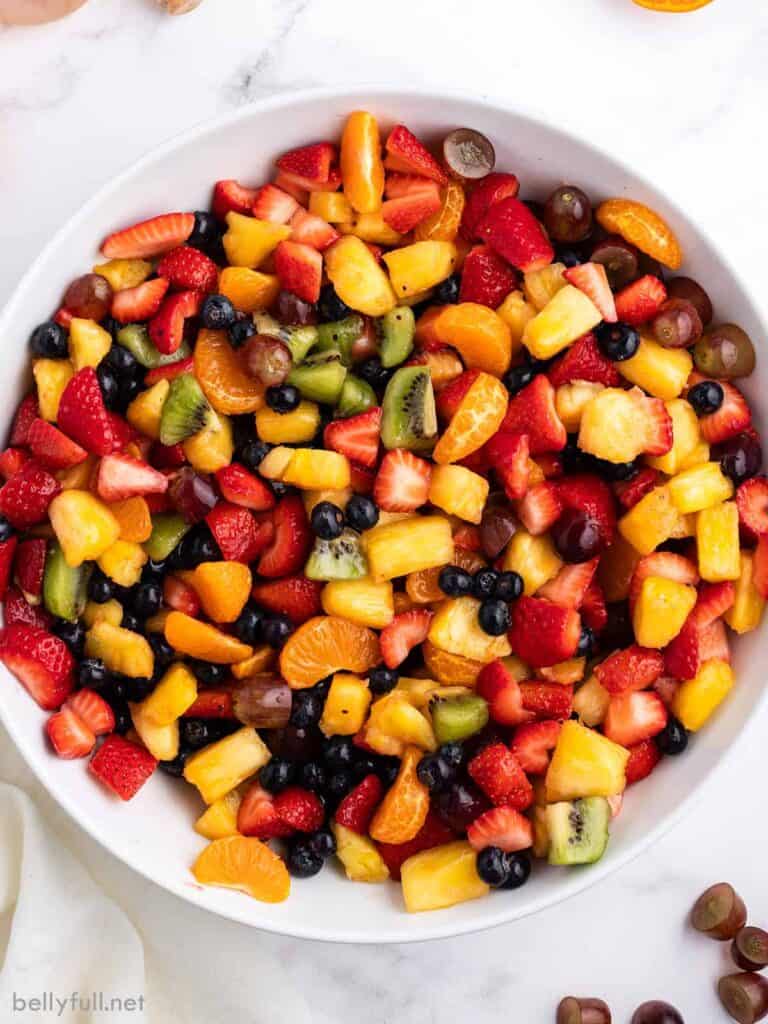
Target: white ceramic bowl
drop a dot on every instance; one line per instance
(153, 834)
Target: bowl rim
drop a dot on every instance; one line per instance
(577, 881)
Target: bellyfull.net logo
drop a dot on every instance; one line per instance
(76, 1002)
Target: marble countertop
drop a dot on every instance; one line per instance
(683, 100)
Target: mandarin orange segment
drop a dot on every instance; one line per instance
(480, 336)
(478, 417)
(673, 6)
(450, 669)
(443, 365)
(362, 169)
(244, 863)
(134, 519)
(326, 644)
(249, 291)
(262, 659)
(425, 336)
(643, 227)
(201, 640)
(443, 226)
(423, 586)
(223, 588)
(226, 385)
(404, 809)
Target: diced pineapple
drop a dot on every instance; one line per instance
(123, 562)
(717, 542)
(77, 477)
(220, 819)
(395, 716)
(415, 268)
(220, 767)
(345, 706)
(686, 437)
(541, 841)
(455, 628)
(697, 699)
(211, 448)
(249, 291)
(357, 278)
(51, 377)
(699, 454)
(331, 206)
(614, 425)
(121, 650)
(590, 702)
(700, 487)
(746, 611)
(145, 410)
(421, 691)
(542, 285)
(570, 400)
(248, 242)
(110, 611)
(365, 601)
(290, 427)
(651, 521)
(585, 763)
(123, 274)
(441, 877)
(567, 315)
(661, 608)
(371, 227)
(362, 861)
(515, 311)
(662, 372)
(83, 525)
(88, 343)
(459, 492)
(312, 498)
(314, 469)
(534, 558)
(275, 463)
(175, 692)
(396, 549)
(162, 741)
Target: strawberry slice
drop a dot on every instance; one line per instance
(7, 552)
(540, 508)
(25, 498)
(307, 229)
(634, 668)
(640, 301)
(25, 416)
(402, 483)
(180, 596)
(230, 196)
(434, 832)
(584, 361)
(635, 716)
(643, 758)
(405, 212)
(11, 461)
(151, 237)
(189, 269)
(356, 437)
(513, 232)
(404, 632)
(122, 766)
(300, 809)
(592, 279)
(121, 476)
(490, 190)
(760, 567)
(63, 318)
(486, 278)
(93, 710)
(169, 372)
(713, 642)
(406, 154)
(714, 600)
(499, 774)
(166, 328)
(300, 269)
(69, 736)
(450, 397)
(508, 455)
(83, 415)
(356, 809)
(731, 418)
(532, 743)
(235, 530)
(140, 303)
(40, 661)
(594, 613)
(289, 549)
(532, 411)
(590, 494)
(298, 186)
(17, 610)
(239, 486)
(570, 585)
(273, 204)
(543, 633)
(503, 827)
(258, 817)
(399, 185)
(752, 502)
(313, 162)
(686, 652)
(361, 478)
(547, 700)
(29, 567)
(53, 449)
(629, 492)
(294, 596)
(500, 689)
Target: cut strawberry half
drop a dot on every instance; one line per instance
(140, 303)
(273, 204)
(543, 633)
(289, 549)
(731, 418)
(357, 808)
(151, 237)
(508, 455)
(404, 632)
(307, 229)
(570, 585)
(188, 269)
(643, 758)
(7, 552)
(258, 817)
(121, 476)
(752, 502)
(532, 411)
(170, 371)
(450, 397)
(300, 270)
(499, 774)
(231, 197)
(588, 493)
(540, 508)
(629, 492)
(547, 700)
(69, 736)
(500, 689)
(640, 301)
(702, 632)
(40, 661)
(180, 596)
(295, 596)
(402, 483)
(25, 498)
(592, 279)
(122, 766)
(667, 564)
(241, 487)
(585, 361)
(502, 827)
(93, 710)
(399, 185)
(166, 328)
(52, 448)
(405, 212)
(635, 716)
(11, 461)
(313, 162)
(533, 743)
(298, 186)
(488, 191)
(25, 416)
(593, 610)
(29, 567)
(713, 642)
(239, 536)
(361, 478)
(513, 232)
(406, 154)
(634, 668)
(356, 437)
(300, 809)
(434, 832)
(17, 610)
(486, 278)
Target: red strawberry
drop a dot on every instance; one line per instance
(760, 567)
(121, 476)
(503, 827)
(241, 487)
(139, 303)
(513, 232)
(123, 433)
(486, 278)
(399, 185)
(594, 613)
(584, 361)
(682, 656)
(547, 700)
(634, 668)
(434, 832)
(211, 704)
(686, 652)
(540, 508)
(640, 301)
(532, 412)
(26, 414)
(11, 461)
(406, 154)
(629, 492)
(643, 758)
(404, 632)
(237, 533)
(668, 565)
(122, 766)
(7, 551)
(356, 437)
(361, 478)
(731, 418)
(158, 503)
(588, 493)
(180, 596)
(313, 162)
(635, 716)
(40, 661)
(258, 817)
(500, 689)
(25, 498)
(508, 455)
(63, 317)
(570, 585)
(274, 205)
(93, 710)
(189, 269)
(231, 197)
(592, 279)
(18, 611)
(53, 449)
(543, 633)
(83, 415)
(532, 744)
(298, 186)
(667, 688)
(498, 773)
(300, 809)
(151, 237)
(404, 213)
(70, 737)
(170, 371)
(752, 502)
(714, 600)
(450, 397)
(402, 483)
(29, 566)
(356, 809)
(311, 230)
(300, 269)
(294, 596)
(288, 551)
(713, 642)
(490, 190)
(166, 328)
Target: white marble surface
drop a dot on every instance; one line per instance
(680, 98)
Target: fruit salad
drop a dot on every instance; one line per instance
(407, 520)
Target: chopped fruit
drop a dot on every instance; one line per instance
(51, 378)
(441, 877)
(364, 602)
(324, 645)
(239, 537)
(249, 291)
(584, 361)
(532, 744)
(686, 436)
(220, 767)
(356, 809)
(84, 526)
(451, 669)
(651, 521)
(661, 608)
(362, 170)
(641, 300)
(244, 863)
(731, 418)
(577, 831)
(405, 153)
(642, 227)
(82, 414)
(513, 232)
(488, 191)
(314, 470)
(188, 269)
(416, 268)
(357, 277)
(162, 741)
(402, 634)
(508, 455)
(697, 699)
(533, 558)
(567, 316)
(312, 162)
(123, 562)
(241, 487)
(752, 503)
(515, 311)
(299, 268)
(570, 585)
(289, 548)
(634, 717)
(458, 491)
(717, 542)
(120, 649)
(300, 809)
(662, 372)
(405, 806)
(591, 702)
(591, 278)
(40, 661)
(122, 274)
(357, 437)
(634, 668)
(294, 596)
(145, 411)
(499, 687)
(333, 207)
(585, 764)
(643, 758)
(480, 336)
(477, 417)
(166, 328)
(51, 448)
(638, 424)
(540, 508)
(486, 278)
(456, 629)
(444, 224)
(211, 448)
(499, 774)
(88, 343)
(747, 610)
(139, 303)
(532, 411)
(120, 477)
(220, 819)
(27, 496)
(257, 816)
(69, 736)
(540, 286)
(502, 827)
(361, 860)
(403, 213)
(701, 487)
(402, 483)
(151, 237)
(226, 385)
(547, 700)
(543, 633)
(201, 640)
(248, 241)
(223, 588)
(571, 400)
(122, 766)
(345, 706)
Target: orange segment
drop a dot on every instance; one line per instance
(480, 336)
(450, 669)
(362, 170)
(326, 644)
(405, 807)
(643, 227)
(244, 863)
(263, 658)
(425, 336)
(443, 226)
(478, 417)
(201, 640)
(423, 586)
(134, 519)
(249, 291)
(223, 588)
(227, 386)
(673, 6)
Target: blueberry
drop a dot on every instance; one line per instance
(364, 766)
(306, 708)
(454, 581)
(241, 331)
(146, 599)
(253, 453)
(162, 650)
(208, 672)
(447, 292)
(374, 373)
(586, 643)
(72, 633)
(706, 397)
(517, 378)
(494, 617)
(176, 766)
(322, 843)
(339, 751)
(361, 512)
(122, 713)
(484, 583)
(127, 389)
(673, 738)
(217, 313)
(195, 547)
(492, 866)
(388, 768)
(130, 621)
(612, 471)
(509, 586)
(280, 489)
(452, 754)
(100, 587)
(277, 774)
(108, 383)
(327, 520)
(312, 776)
(206, 230)
(339, 784)
(154, 570)
(302, 860)
(194, 733)
(49, 340)
(138, 688)
(121, 360)
(283, 398)
(92, 673)
(617, 341)
(568, 256)
(112, 326)
(248, 624)
(382, 679)
(330, 307)
(6, 530)
(518, 870)
(435, 773)
(276, 630)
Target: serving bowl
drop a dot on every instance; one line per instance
(153, 834)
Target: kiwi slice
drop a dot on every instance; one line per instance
(298, 339)
(578, 830)
(396, 330)
(167, 530)
(409, 418)
(320, 378)
(135, 337)
(64, 588)
(338, 559)
(341, 335)
(185, 410)
(458, 717)
(356, 396)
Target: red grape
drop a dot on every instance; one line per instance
(469, 154)
(267, 359)
(89, 297)
(263, 701)
(719, 912)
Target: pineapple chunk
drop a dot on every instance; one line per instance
(313, 469)
(441, 877)
(542, 285)
(362, 861)
(651, 521)
(700, 487)
(275, 463)
(717, 542)
(211, 448)
(459, 492)
(345, 706)
(83, 525)
(121, 650)
(567, 315)
(248, 242)
(584, 763)
(162, 741)
(51, 377)
(747, 610)
(455, 628)
(697, 699)
(77, 477)
(662, 372)
(357, 278)
(415, 268)
(220, 819)
(220, 767)
(110, 611)
(364, 601)
(145, 410)
(123, 562)
(88, 343)
(571, 399)
(371, 227)
(175, 692)
(686, 437)
(396, 717)
(661, 609)
(697, 455)
(614, 425)
(533, 558)
(291, 427)
(590, 702)
(331, 206)
(123, 274)
(516, 312)
(419, 542)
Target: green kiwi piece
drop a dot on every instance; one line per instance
(337, 559)
(409, 418)
(298, 339)
(320, 377)
(64, 588)
(396, 330)
(578, 830)
(458, 718)
(167, 530)
(185, 410)
(341, 335)
(135, 337)
(356, 396)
